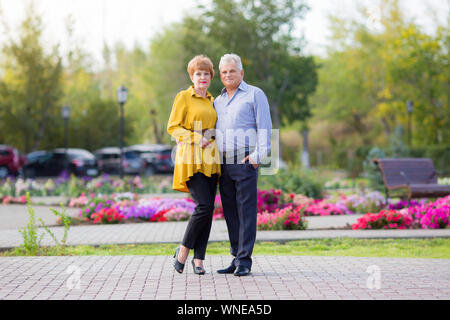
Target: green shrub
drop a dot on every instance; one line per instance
(440, 154)
(372, 171)
(293, 181)
(31, 240)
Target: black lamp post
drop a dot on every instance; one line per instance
(409, 109)
(65, 112)
(122, 95)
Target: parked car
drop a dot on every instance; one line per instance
(51, 163)
(158, 157)
(11, 161)
(109, 161)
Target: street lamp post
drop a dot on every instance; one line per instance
(65, 112)
(122, 95)
(409, 109)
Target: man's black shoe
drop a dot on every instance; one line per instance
(242, 271)
(229, 269)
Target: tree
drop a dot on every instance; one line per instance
(31, 87)
(369, 75)
(260, 32)
(165, 73)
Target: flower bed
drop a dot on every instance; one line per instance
(385, 219)
(288, 218)
(269, 202)
(409, 215)
(158, 210)
(324, 208)
(11, 200)
(126, 207)
(276, 210)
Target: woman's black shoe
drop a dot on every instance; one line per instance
(198, 270)
(177, 264)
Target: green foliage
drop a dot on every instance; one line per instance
(165, 72)
(436, 248)
(440, 154)
(261, 34)
(366, 80)
(31, 87)
(371, 169)
(353, 99)
(31, 240)
(293, 181)
(66, 220)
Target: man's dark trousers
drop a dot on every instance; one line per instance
(238, 192)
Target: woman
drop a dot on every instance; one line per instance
(197, 164)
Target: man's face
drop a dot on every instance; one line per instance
(230, 75)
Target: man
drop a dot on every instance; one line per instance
(243, 137)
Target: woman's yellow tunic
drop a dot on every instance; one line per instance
(191, 114)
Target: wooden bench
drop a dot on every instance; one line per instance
(416, 176)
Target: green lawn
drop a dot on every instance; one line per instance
(394, 248)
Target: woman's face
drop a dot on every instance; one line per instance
(201, 79)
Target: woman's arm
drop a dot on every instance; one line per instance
(175, 126)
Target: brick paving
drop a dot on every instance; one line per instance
(272, 278)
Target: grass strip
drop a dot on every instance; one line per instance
(435, 248)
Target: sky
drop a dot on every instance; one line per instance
(136, 21)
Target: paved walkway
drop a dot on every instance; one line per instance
(272, 278)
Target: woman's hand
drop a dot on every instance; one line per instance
(204, 142)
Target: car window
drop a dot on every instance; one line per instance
(4, 153)
(110, 156)
(81, 155)
(36, 155)
(41, 158)
(58, 156)
(131, 155)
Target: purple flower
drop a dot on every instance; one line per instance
(63, 177)
(147, 208)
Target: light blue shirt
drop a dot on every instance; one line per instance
(244, 121)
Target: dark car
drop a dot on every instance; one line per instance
(158, 157)
(10, 161)
(109, 161)
(79, 162)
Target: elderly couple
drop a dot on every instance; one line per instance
(220, 142)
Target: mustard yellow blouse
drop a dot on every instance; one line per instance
(191, 113)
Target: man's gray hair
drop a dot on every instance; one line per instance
(231, 57)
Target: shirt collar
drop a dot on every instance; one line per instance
(242, 86)
(194, 94)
